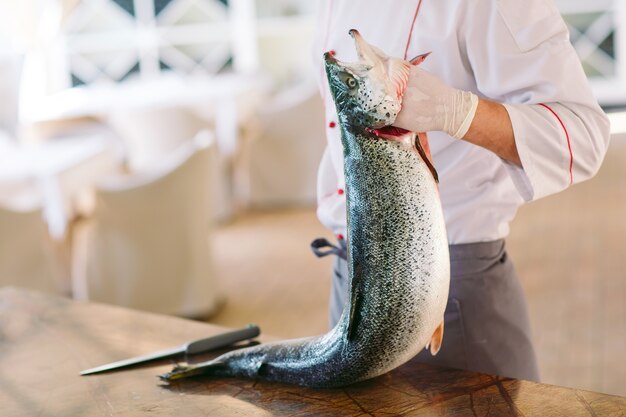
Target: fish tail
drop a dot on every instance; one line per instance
(206, 368)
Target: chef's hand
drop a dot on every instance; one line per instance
(429, 104)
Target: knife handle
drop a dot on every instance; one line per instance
(222, 340)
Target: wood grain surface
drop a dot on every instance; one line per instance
(46, 341)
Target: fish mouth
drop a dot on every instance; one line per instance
(329, 58)
(367, 56)
(364, 50)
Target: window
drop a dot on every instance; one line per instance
(599, 42)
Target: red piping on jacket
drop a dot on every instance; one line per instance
(569, 143)
(408, 42)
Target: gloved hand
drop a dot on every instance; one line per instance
(430, 104)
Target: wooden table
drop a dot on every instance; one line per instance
(45, 342)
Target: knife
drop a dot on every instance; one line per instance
(197, 346)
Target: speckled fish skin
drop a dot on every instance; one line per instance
(398, 263)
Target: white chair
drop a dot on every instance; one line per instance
(283, 156)
(147, 244)
(27, 256)
(149, 134)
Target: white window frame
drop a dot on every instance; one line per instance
(610, 90)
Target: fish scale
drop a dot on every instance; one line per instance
(398, 265)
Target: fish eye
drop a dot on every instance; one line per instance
(349, 80)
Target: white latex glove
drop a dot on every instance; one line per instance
(430, 104)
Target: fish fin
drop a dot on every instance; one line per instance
(436, 339)
(355, 303)
(422, 146)
(353, 322)
(186, 371)
(420, 58)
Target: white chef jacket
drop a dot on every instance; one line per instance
(511, 51)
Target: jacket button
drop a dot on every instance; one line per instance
(332, 125)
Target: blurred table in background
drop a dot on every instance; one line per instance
(217, 96)
(46, 341)
(52, 174)
(153, 117)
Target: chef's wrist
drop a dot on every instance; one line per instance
(460, 113)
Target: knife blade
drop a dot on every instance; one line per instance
(196, 346)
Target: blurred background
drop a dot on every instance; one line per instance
(162, 155)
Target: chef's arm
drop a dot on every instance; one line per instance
(546, 146)
(555, 134)
(521, 56)
(491, 128)
(430, 104)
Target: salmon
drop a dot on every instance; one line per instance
(397, 249)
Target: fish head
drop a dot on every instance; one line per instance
(367, 93)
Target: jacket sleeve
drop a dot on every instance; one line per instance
(521, 56)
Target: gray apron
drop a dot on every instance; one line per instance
(486, 320)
